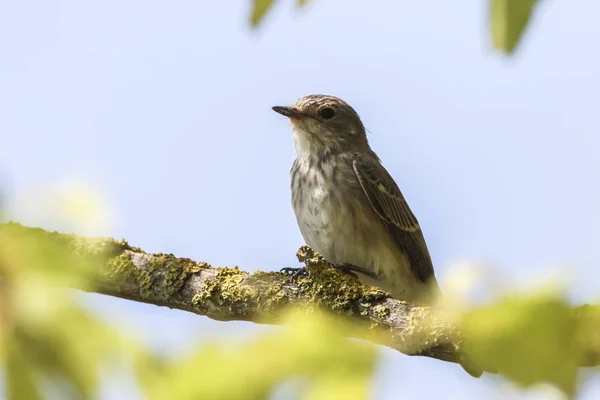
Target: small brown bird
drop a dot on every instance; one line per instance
(349, 208)
(347, 205)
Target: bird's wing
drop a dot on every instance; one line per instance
(387, 201)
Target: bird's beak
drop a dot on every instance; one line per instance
(290, 112)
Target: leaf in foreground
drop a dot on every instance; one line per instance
(508, 21)
(312, 349)
(259, 10)
(528, 338)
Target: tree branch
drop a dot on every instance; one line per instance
(227, 294)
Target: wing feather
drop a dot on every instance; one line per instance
(389, 203)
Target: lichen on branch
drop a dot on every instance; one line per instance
(114, 267)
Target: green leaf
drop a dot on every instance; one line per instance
(588, 321)
(313, 348)
(20, 380)
(259, 10)
(529, 338)
(50, 340)
(508, 21)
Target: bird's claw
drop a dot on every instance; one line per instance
(345, 268)
(296, 272)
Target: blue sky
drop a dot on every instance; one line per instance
(163, 109)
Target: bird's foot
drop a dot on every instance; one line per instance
(353, 269)
(296, 272)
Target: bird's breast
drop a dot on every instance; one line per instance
(329, 206)
(312, 198)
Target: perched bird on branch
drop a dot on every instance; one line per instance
(347, 205)
(349, 208)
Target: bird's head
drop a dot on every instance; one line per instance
(325, 124)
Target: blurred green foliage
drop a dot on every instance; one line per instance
(530, 338)
(309, 347)
(47, 337)
(508, 19)
(259, 9)
(49, 341)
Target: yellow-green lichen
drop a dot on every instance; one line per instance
(381, 310)
(226, 288)
(336, 290)
(208, 289)
(166, 275)
(147, 278)
(177, 271)
(224, 272)
(275, 297)
(163, 276)
(121, 269)
(331, 288)
(233, 291)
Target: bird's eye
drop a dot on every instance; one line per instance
(327, 113)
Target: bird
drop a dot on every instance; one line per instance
(348, 207)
